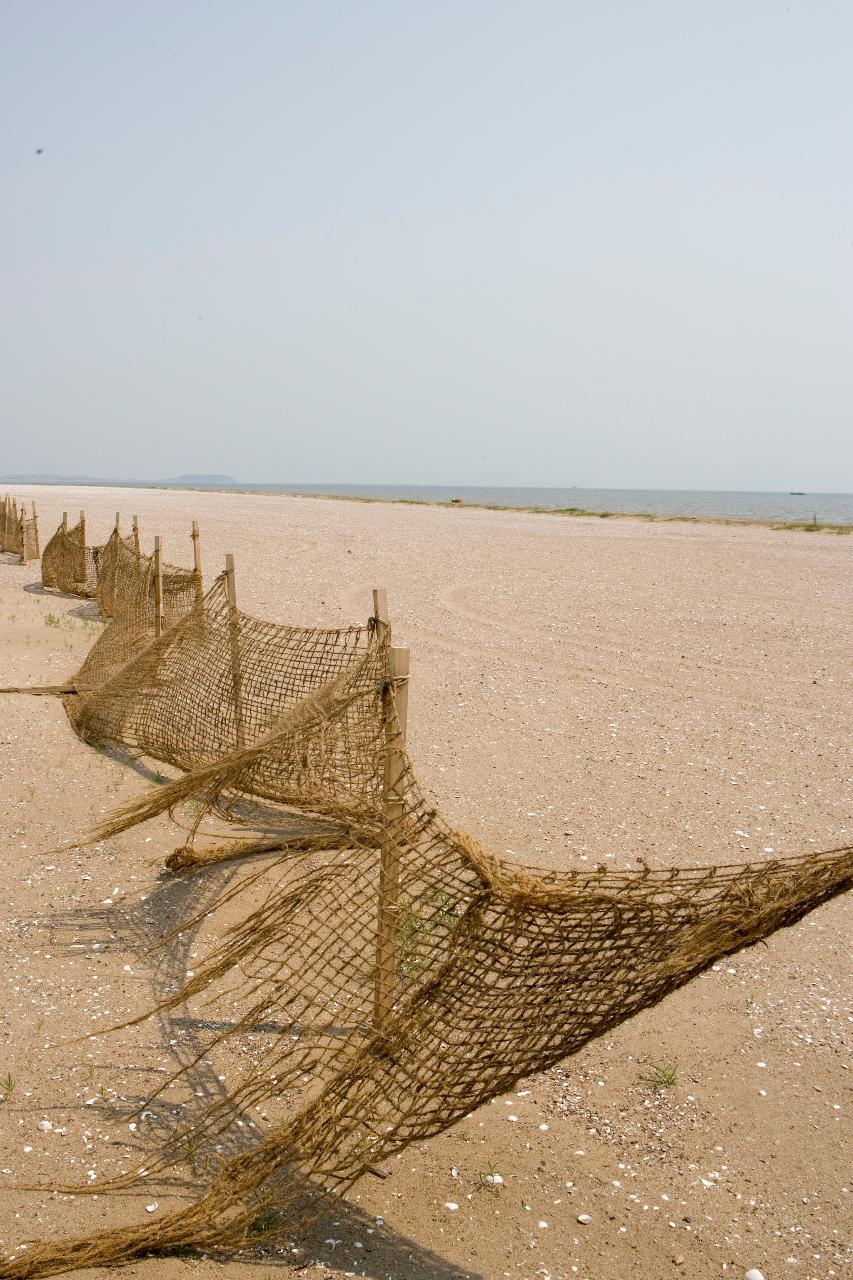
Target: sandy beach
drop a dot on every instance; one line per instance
(582, 691)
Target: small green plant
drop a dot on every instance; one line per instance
(266, 1221)
(363, 1144)
(7, 1084)
(662, 1076)
(419, 932)
(491, 1177)
(189, 1147)
(51, 620)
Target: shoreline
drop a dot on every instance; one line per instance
(458, 504)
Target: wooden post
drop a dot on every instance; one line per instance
(65, 522)
(22, 533)
(81, 574)
(36, 531)
(158, 588)
(396, 717)
(199, 583)
(380, 610)
(136, 536)
(118, 522)
(234, 637)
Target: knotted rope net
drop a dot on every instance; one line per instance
(68, 564)
(401, 975)
(18, 531)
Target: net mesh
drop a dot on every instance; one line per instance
(403, 971)
(68, 565)
(18, 531)
(9, 525)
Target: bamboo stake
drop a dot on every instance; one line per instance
(36, 531)
(234, 637)
(380, 610)
(136, 536)
(199, 582)
(396, 717)
(158, 588)
(82, 566)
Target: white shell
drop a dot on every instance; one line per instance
(754, 1274)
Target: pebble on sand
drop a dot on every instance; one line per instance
(754, 1274)
(584, 1218)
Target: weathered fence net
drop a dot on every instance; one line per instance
(68, 564)
(214, 680)
(497, 971)
(120, 566)
(9, 524)
(18, 531)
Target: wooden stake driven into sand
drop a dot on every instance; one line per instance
(118, 522)
(158, 588)
(36, 531)
(199, 581)
(136, 536)
(65, 522)
(81, 577)
(396, 699)
(22, 533)
(234, 636)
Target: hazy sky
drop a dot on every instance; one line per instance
(602, 244)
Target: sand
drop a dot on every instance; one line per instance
(581, 691)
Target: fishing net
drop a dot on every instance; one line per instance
(18, 531)
(9, 525)
(119, 568)
(383, 974)
(216, 678)
(68, 565)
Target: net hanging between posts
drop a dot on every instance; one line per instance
(68, 564)
(18, 531)
(498, 971)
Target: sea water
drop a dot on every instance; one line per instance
(828, 508)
